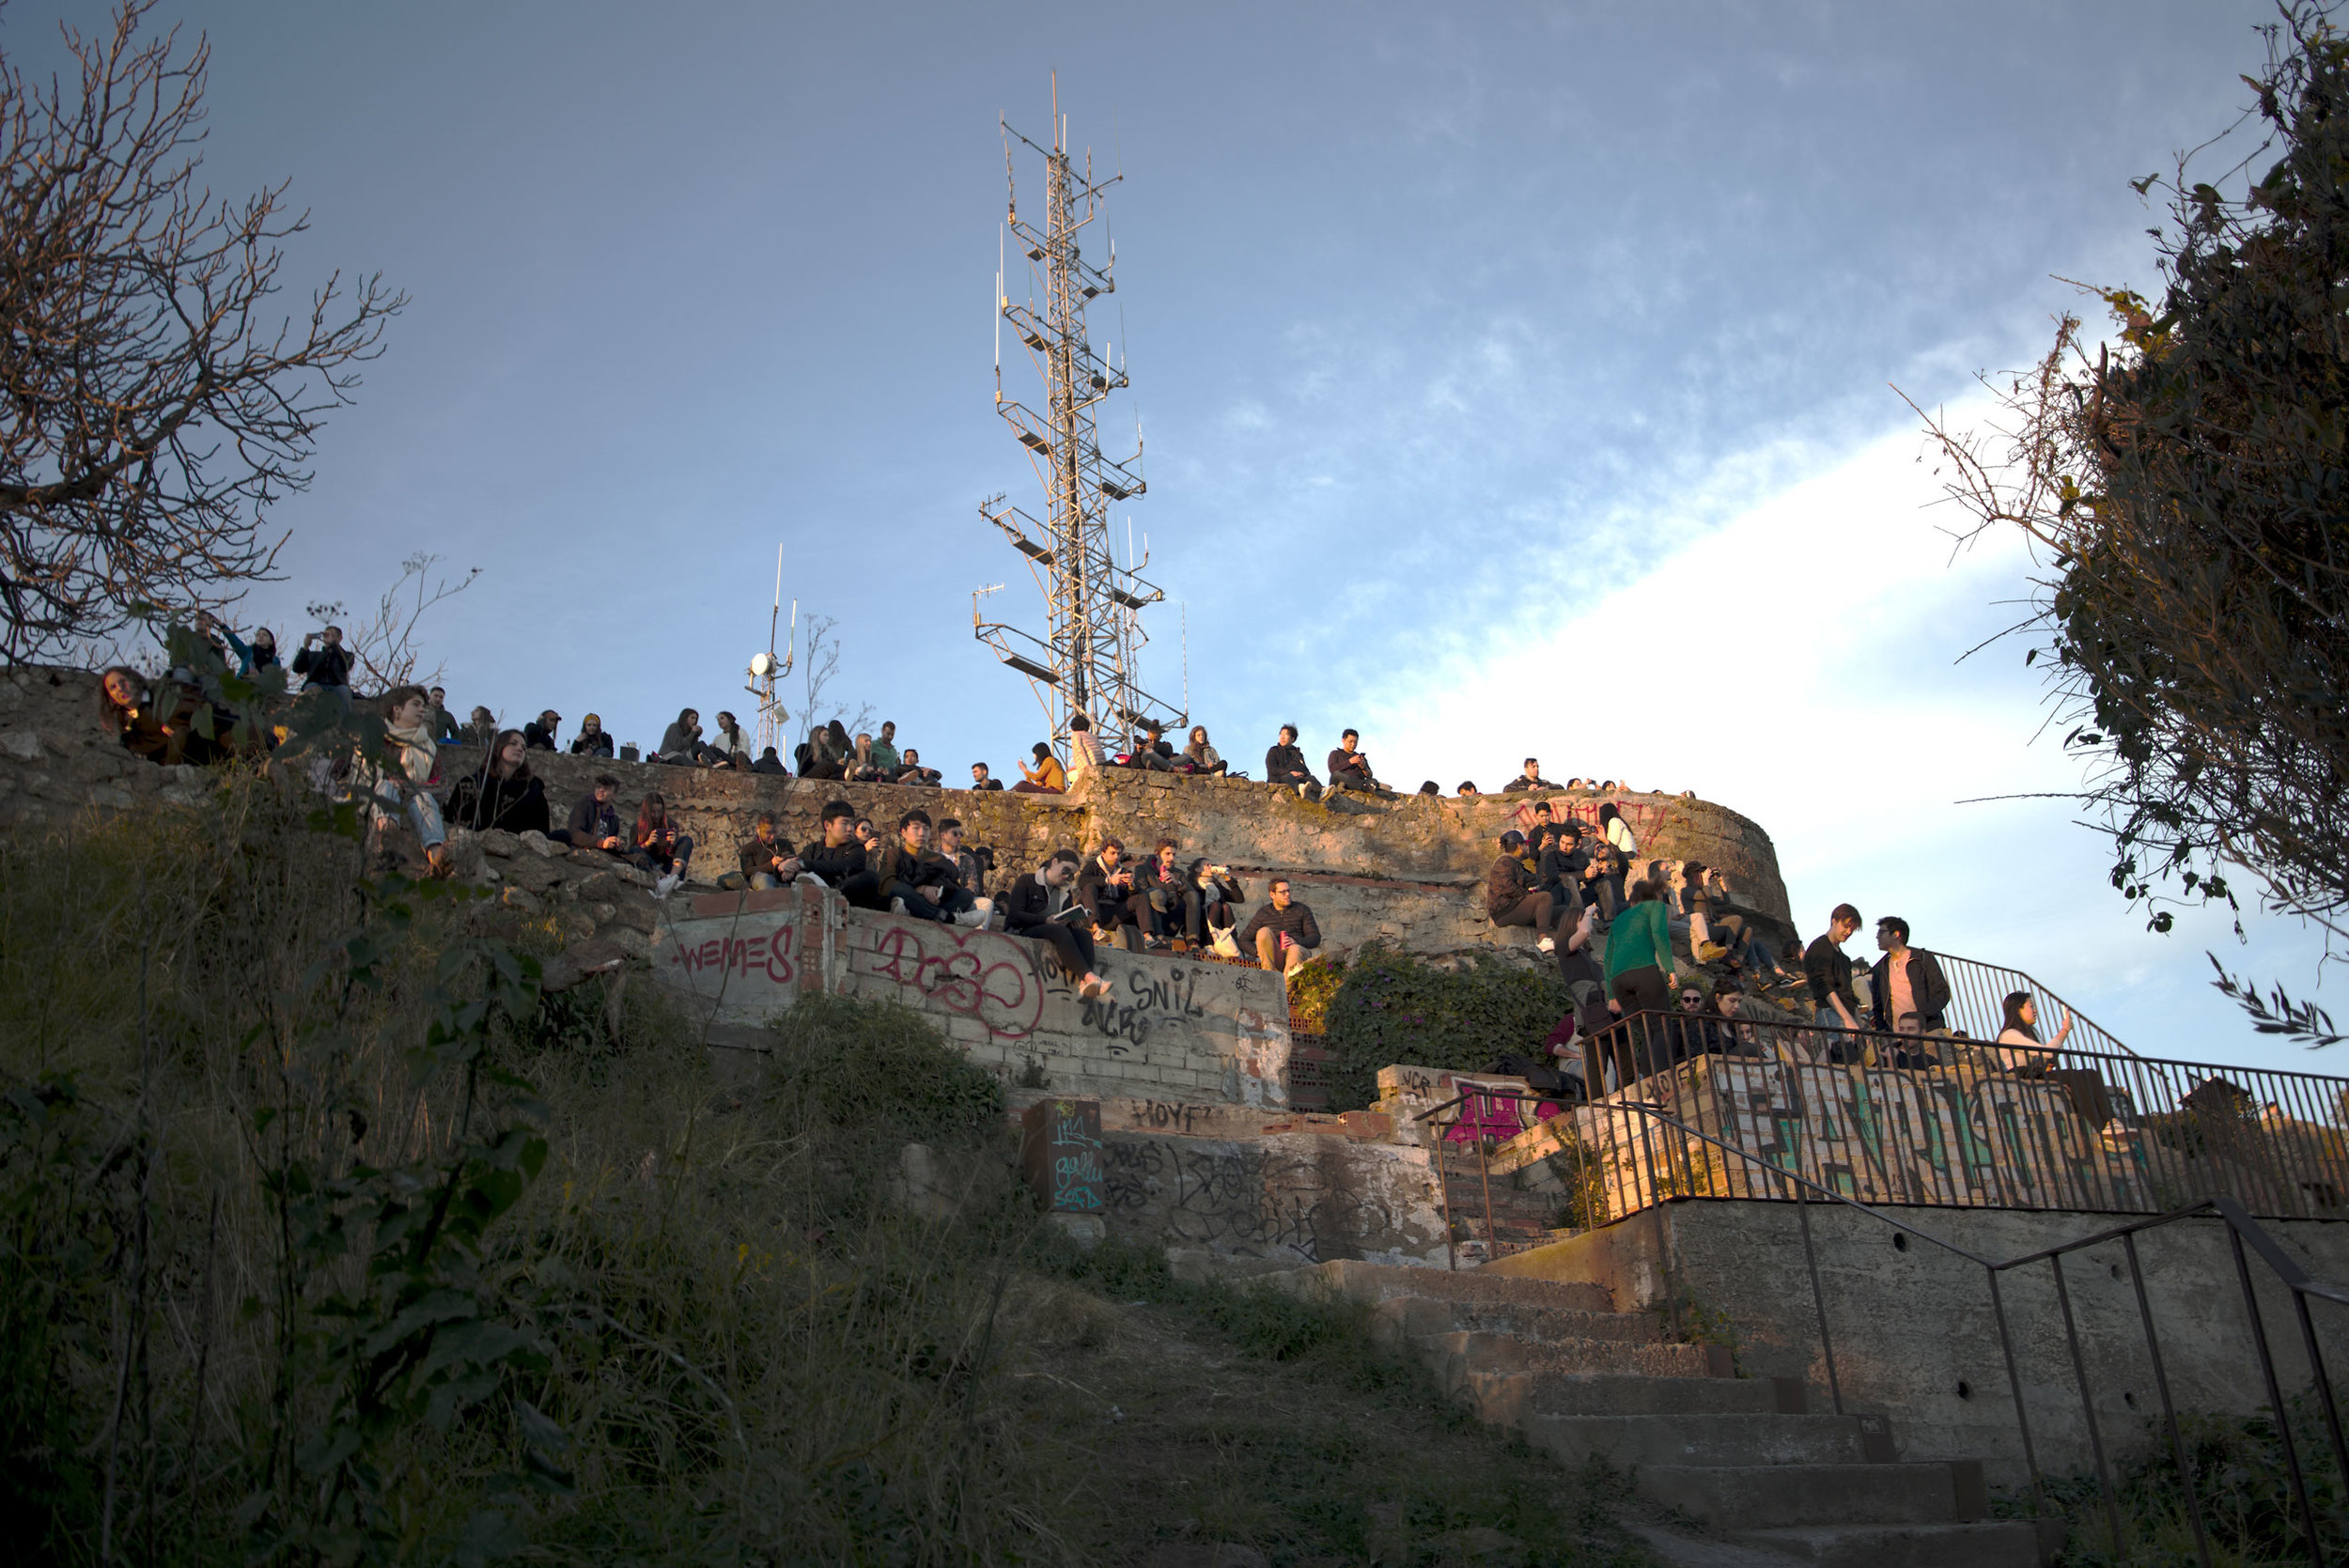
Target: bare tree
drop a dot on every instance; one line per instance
(382, 647)
(156, 407)
(816, 670)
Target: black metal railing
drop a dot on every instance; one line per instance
(1977, 993)
(1949, 1122)
(2245, 1241)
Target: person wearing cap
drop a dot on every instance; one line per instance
(591, 740)
(538, 735)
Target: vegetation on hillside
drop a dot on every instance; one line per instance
(1391, 1006)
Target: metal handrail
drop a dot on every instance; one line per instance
(2046, 994)
(2241, 1229)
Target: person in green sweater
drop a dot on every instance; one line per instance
(1639, 966)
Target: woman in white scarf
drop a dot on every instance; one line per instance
(409, 767)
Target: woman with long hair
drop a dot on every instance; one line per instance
(1202, 756)
(2020, 1049)
(1211, 901)
(502, 792)
(136, 717)
(656, 846)
(408, 771)
(1638, 971)
(1046, 778)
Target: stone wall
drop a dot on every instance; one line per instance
(1915, 1336)
(1171, 1028)
(1408, 870)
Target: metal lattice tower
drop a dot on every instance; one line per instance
(1086, 661)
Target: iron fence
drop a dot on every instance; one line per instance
(1933, 1121)
(2247, 1244)
(1977, 993)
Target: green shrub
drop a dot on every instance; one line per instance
(1394, 1007)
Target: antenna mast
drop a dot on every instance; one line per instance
(1087, 663)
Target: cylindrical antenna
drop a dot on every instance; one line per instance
(1185, 609)
(999, 305)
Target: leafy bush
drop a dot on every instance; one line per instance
(881, 1067)
(1312, 987)
(1393, 1007)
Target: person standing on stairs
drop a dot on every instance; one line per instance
(1639, 959)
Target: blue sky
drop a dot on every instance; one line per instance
(1516, 379)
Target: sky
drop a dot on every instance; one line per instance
(1513, 379)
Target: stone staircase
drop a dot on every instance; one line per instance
(1772, 1480)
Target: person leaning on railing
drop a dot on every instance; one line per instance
(2019, 1049)
(1827, 968)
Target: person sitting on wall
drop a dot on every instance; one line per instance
(1510, 898)
(911, 771)
(657, 847)
(1429, 786)
(1150, 750)
(1211, 901)
(680, 743)
(132, 715)
(1558, 870)
(1046, 777)
(951, 881)
(768, 860)
(825, 751)
(538, 735)
(1531, 779)
(869, 841)
(1350, 769)
(876, 755)
(592, 740)
(501, 793)
(728, 747)
(972, 864)
(838, 861)
(478, 730)
(1468, 791)
(1040, 908)
(982, 779)
(1203, 757)
(1085, 756)
(407, 770)
(1906, 980)
(444, 723)
(1828, 970)
(1282, 931)
(769, 763)
(1106, 888)
(1284, 765)
(323, 662)
(595, 824)
(1162, 882)
(918, 883)
(1911, 1026)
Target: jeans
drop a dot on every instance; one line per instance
(1072, 948)
(917, 905)
(1203, 916)
(647, 860)
(761, 881)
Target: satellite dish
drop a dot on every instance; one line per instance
(762, 663)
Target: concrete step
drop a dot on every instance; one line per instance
(1984, 1544)
(1457, 1356)
(1406, 1316)
(1374, 1283)
(1747, 1498)
(1769, 1439)
(1514, 1398)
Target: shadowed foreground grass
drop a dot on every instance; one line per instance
(323, 1238)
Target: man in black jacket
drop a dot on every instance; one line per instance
(327, 664)
(1510, 898)
(538, 735)
(595, 825)
(1035, 908)
(768, 860)
(1105, 887)
(1283, 932)
(1906, 980)
(1150, 750)
(838, 862)
(1827, 968)
(1531, 779)
(1348, 767)
(1284, 765)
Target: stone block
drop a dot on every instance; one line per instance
(21, 745)
(498, 843)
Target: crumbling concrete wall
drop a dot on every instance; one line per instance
(1240, 1190)
(1173, 1028)
(1915, 1336)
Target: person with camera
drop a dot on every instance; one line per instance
(1046, 778)
(324, 663)
(1162, 882)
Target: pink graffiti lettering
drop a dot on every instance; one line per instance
(985, 975)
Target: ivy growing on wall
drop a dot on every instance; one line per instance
(1391, 1007)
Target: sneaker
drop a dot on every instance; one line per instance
(665, 886)
(1093, 991)
(974, 918)
(811, 879)
(1548, 944)
(896, 906)
(986, 913)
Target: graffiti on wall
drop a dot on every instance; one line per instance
(1252, 1200)
(750, 956)
(989, 976)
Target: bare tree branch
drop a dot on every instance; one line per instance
(156, 408)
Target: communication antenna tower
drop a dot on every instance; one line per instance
(1086, 661)
(767, 668)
